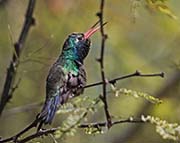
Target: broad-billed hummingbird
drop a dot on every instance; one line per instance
(67, 76)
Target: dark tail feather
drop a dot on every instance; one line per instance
(48, 112)
(50, 107)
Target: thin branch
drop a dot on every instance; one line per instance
(15, 87)
(135, 74)
(18, 46)
(100, 14)
(37, 134)
(103, 124)
(15, 137)
(87, 125)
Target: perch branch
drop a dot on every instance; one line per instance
(87, 125)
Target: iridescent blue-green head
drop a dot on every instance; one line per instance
(77, 45)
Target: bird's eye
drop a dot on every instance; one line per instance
(79, 38)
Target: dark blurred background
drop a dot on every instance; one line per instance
(150, 44)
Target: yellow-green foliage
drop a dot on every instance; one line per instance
(136, 94)
(167, 130)
(161, 6)
(152, 5)
(78, 114)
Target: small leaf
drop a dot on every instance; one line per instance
(160, 6)
(167, 130)
(57, 134)
(164, 9)
(137, 94)
(93, 130)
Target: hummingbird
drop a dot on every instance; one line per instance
(67, 76)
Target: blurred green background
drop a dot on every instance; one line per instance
(150, 44)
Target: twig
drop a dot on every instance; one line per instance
(15, 137)
(135, 74)
(87, 125)
(38, 134)
(100, 14)
(103, 124)
(18, 46)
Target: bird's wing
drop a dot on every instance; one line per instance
(56, 80)
(55, 93)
